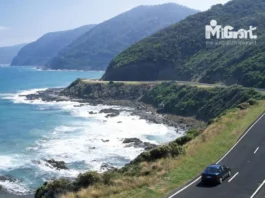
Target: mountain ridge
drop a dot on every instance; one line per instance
(179, 52)
(38, 53)
(95, 49)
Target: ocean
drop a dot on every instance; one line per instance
(32, 131)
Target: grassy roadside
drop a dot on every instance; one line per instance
(197, 84)
(156, 179)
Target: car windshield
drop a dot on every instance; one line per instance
(211, 170)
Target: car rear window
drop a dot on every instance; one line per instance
(211, 170)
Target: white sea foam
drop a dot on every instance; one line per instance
(11, 162)
(6, 162)
(15, 187)
(20, 97)
(89, 139)
(63, 70)
(48, 169)
(97, 142)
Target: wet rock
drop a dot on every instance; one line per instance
(112, 115)
(56, 164)
(36, 162)
(110, 112)
(132, 140)
(80, 105)
(148, 146)
(107, 167)
(139, 144)
(7, 178)
(48, 95)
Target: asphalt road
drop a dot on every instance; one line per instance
(247, 161)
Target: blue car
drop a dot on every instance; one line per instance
(215, 174)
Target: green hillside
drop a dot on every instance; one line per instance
(180, 51)
(95, 50)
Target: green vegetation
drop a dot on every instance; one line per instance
(95, 49)
(180, 52)
(173, 149)
(203, 103)
(157, 178)
(106, 91)
(61, 186)
(156, 172)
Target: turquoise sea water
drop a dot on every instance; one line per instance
(31, 131)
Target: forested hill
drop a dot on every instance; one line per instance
(95, 50)
(45, 48)
(179, 52)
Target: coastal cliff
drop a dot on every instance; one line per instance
(201, 103)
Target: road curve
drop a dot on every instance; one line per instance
(247, 161)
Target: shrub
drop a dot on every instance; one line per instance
(52, 189)
(252, 102)
(188, 137)
(132, 169)
(107, 177)
(244, 105)
(87, 179)
(170, 150)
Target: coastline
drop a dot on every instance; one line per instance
(139, 97)
(143, 110)
(136, 108)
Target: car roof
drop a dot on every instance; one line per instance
(214, 166)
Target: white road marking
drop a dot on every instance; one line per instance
(256, 150)
(233, 177)
(222, 157)
(185, 187)
(254, 194)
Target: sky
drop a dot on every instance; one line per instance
(24, 21)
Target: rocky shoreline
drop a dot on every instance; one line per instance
(137, 108)
(131, 105)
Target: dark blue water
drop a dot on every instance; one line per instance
(33, 131)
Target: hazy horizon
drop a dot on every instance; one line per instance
(25, 23)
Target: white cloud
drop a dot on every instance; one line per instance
(3, 28)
